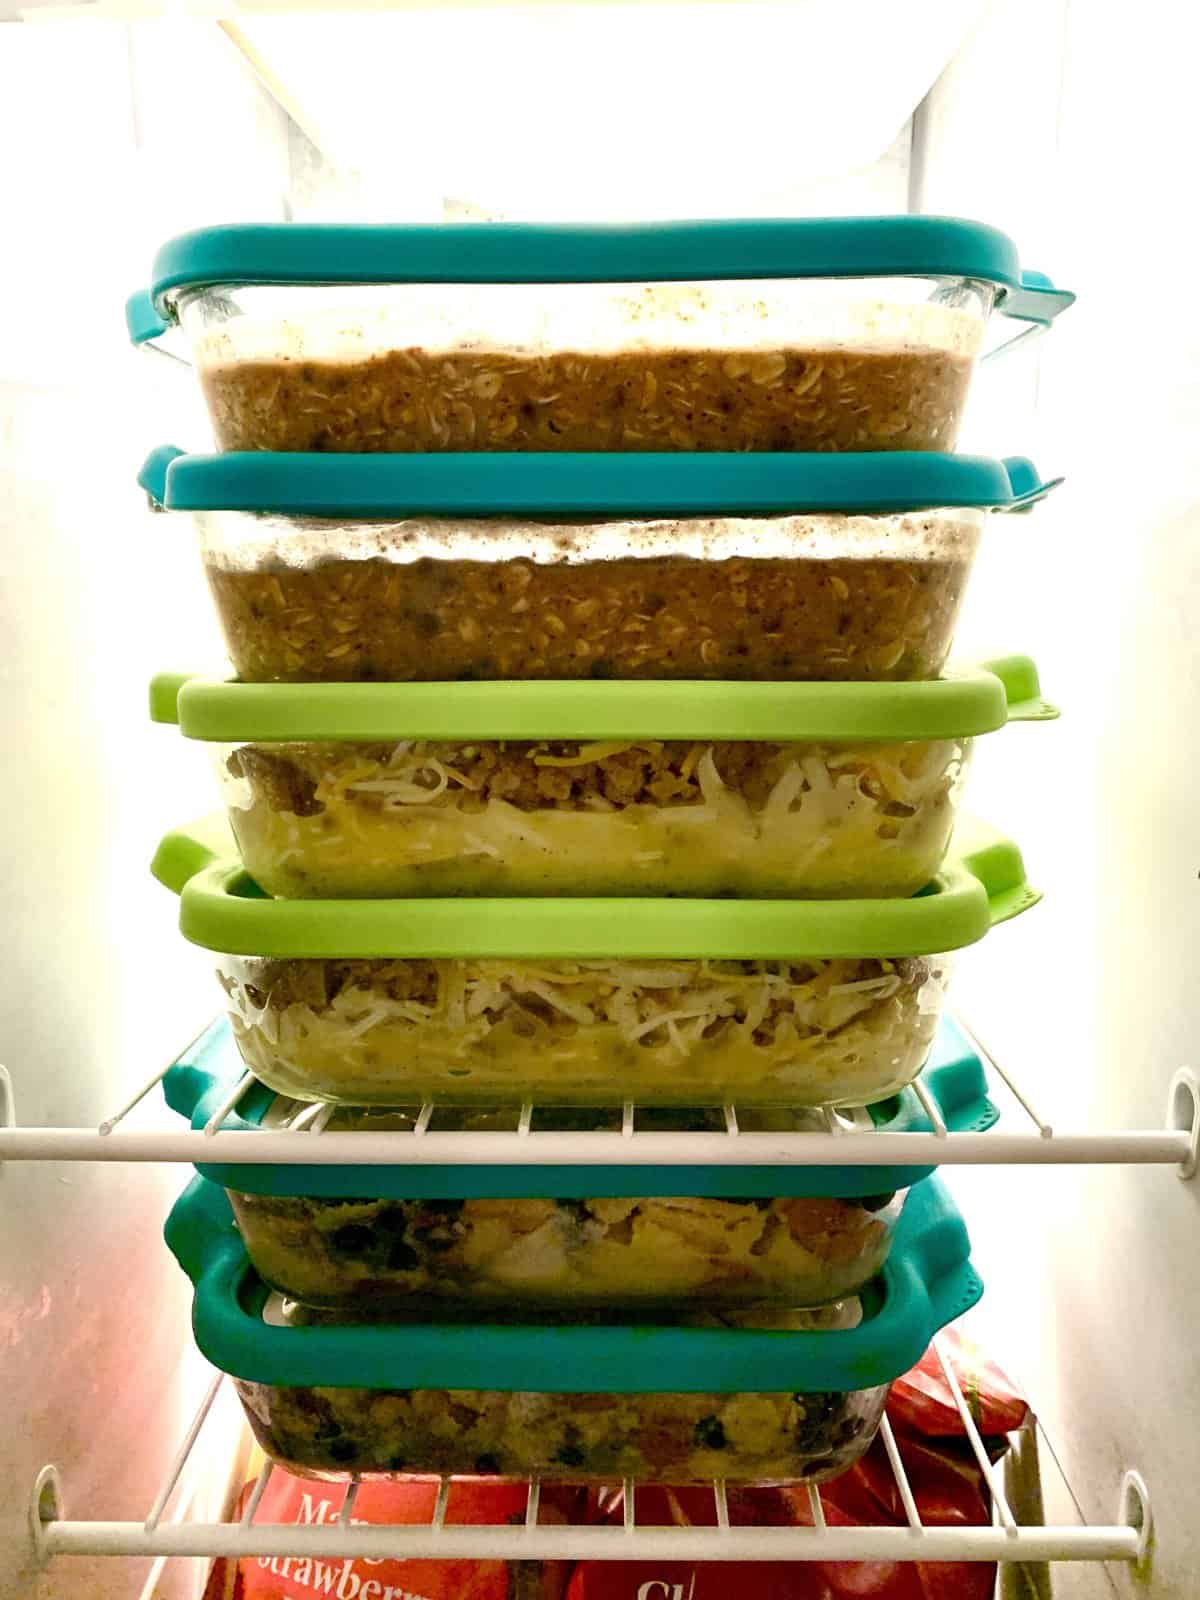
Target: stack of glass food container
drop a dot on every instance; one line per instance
(591, 761)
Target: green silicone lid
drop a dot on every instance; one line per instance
(221, 908)
(522, 252)
(654, 484)
(927, 1281)
(958, 705)
(198, 1083)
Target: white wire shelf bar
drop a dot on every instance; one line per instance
(1168, 1148)
(1174, 1145)
(847, 1139)
(162, 1535)
(1119, 1542)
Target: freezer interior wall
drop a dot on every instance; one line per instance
(1092, 1275)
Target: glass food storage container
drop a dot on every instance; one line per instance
(435, 568)
(583, 1402)
(551, 1237)
(813, 334)
(587, 1001)
(769, 790)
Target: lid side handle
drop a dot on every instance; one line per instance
(200, 1069)
(153, 475)
(936, 1255)
(931, 1271)
(954, 1076)
(1026, 484)
(996, 863)
(935, 1237)
(196, 1094)
(1036, 299)
(147, 326)
(164, 696)
(143, 320)
(189, 850)
(200, 1232)
(1033, 303)
(1022, 689)
(952, 1085)
(184, 1086)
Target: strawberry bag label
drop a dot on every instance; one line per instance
(302, 1502)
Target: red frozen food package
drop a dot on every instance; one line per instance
(942, 1472)
(304, 1501)
(921, 1399)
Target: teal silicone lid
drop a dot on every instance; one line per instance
(221, 908)
(653, 484)
(520, 252)
(198, 1083)
(927, 1282)
(958, 705)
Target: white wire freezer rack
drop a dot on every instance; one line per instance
(167, 1532)
(848, 1139)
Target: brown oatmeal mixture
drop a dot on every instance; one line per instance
(411, 400)
(667, 617)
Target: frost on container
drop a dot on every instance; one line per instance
(666, 1253)
(819, 596)
(809, 1032)
(880, 364)
(651, 817)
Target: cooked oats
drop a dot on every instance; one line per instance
(641, 399)
(640, 617)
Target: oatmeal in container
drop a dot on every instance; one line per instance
(582, 1402)
(551, 1237)
(436, 568)
(349, 791)
(811, 334)
(686, 1002)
